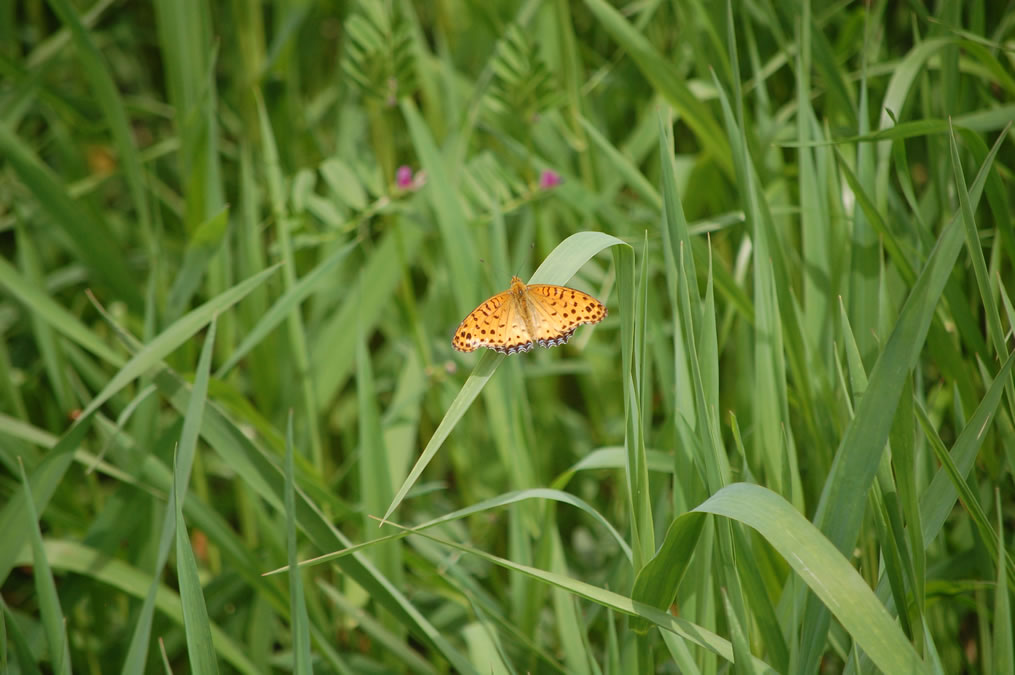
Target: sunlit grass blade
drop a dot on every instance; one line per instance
(831, 576)
(483, 651)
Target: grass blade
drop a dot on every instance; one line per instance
(175, 335)
(832, 578)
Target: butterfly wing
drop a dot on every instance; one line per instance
(496, 324)
(557, 311)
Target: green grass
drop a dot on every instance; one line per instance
(227, 337)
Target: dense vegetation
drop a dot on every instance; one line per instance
(238, 237)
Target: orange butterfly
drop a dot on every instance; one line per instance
(523, 316)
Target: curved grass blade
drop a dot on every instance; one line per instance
(824, 569)
(657, 582)
(485, 505)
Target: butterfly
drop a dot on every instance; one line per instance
(523, 316)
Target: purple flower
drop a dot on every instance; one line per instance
(549, 179)
(403, 177)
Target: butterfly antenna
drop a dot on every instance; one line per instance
(498, 273)
(488, 265)
(521, 264)
(532, 247)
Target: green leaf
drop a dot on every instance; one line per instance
(297, 603)
(53, 620)
(195, 613)
(826, 572)
(657, 582)
(169, 340)
(204, 244)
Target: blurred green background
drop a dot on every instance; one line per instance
(236, 241)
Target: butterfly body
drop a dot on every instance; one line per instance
(525, 316)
